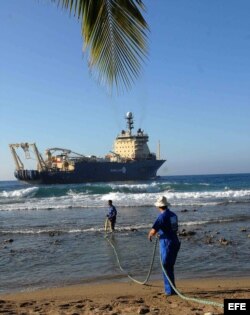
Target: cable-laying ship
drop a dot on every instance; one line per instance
(130, 160)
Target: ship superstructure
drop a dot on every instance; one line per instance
(128, 146)
(130, 159)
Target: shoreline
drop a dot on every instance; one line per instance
(126, 298)
(104, 280)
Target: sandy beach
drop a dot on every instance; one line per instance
(125, 298)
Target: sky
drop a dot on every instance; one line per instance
(193, 94)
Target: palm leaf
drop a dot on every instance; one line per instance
(115, 37)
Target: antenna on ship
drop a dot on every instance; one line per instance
(130, 122)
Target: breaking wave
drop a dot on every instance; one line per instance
(25, 199)
(20, 193)
(207, 190)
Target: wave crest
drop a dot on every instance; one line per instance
(19, 193)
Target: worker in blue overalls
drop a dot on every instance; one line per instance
(166, 225)
(112, 215)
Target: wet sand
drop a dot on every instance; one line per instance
(125, 298)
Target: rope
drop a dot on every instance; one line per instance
(189, 298)
(108, 224)
(201, 301)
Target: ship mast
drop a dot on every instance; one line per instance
(130, 122)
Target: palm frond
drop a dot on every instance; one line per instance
(115, 37)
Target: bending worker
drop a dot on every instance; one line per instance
(166, 225)
(112, 215)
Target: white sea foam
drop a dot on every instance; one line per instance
(73, 230)
(20, 193)
(191, 223)
(83, 200)
(94, 229)
(136, 188)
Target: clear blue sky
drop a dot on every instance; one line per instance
(193, 94)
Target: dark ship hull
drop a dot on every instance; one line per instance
(130, 160)
(94, 171)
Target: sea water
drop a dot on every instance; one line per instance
(54, 235)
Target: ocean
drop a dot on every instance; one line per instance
(54, 235)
